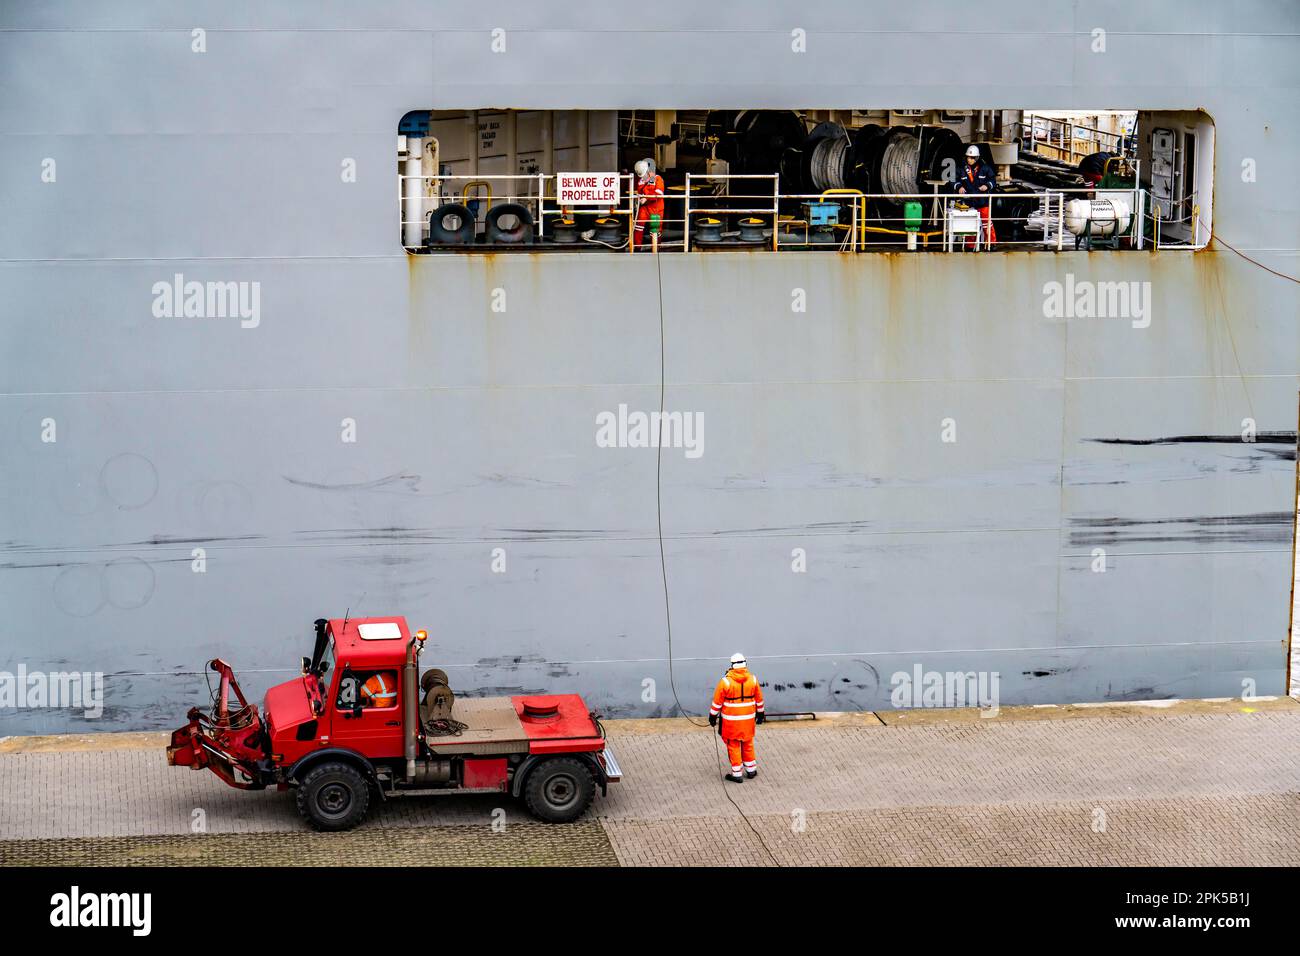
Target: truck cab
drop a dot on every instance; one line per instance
(361, 722)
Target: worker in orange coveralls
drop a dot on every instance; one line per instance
(650, 200)
(380, 690)
(738, 700)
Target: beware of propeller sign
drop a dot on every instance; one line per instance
(587, 189)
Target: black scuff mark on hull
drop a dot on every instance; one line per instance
(383, 560)
(1136, 693)
(501, 690)
(75, 564)
(521, 481)
(851, 697)
(387, 483)
(1261, 438)
(378, 535)
(557, 534)
(1284, 454)
(1101, 540)
(165, 539)
(513, 661)
(871, 669)
(1265, 527)
(407, 535)
(815, 527)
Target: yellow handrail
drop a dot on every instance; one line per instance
(859, 202)
(464, 193)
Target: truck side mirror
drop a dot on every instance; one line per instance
(306, 665)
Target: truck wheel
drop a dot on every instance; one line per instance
(333, 796)
(559, 790)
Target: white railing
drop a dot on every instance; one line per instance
(1065, 143)
(475, 189)
(1189, 218)
(747, 209)
(772, 210)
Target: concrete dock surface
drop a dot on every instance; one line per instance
(1160, 783)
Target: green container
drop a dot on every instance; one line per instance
(912, 216)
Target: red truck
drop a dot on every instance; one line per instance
(362, 722)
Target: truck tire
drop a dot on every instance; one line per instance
(333, 796)
(559, 790)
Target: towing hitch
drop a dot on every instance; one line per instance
(227, 741)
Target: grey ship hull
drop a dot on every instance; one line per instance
(476, 429)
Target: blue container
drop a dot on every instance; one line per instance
(821, 213)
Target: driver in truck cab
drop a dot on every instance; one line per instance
(379, 690)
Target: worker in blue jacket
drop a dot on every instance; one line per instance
(975, 183)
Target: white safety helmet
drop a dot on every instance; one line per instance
(737, 659)
(973, 151)
(644, 168)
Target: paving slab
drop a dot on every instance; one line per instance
(1183, 785)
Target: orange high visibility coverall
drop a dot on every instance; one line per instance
(738, 700)
(380, 690)
(653, 205)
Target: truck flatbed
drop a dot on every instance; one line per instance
(517, 725)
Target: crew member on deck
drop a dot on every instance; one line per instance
(974, 184)
(650, 200)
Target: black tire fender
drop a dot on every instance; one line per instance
(441, 234)
(521, 232)
(299, 770)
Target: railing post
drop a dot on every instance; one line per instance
(1060, 221)
(776, 206)
(686, 226)
(541, 207)
(1137, 216)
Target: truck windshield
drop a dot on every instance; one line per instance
(326, 666)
